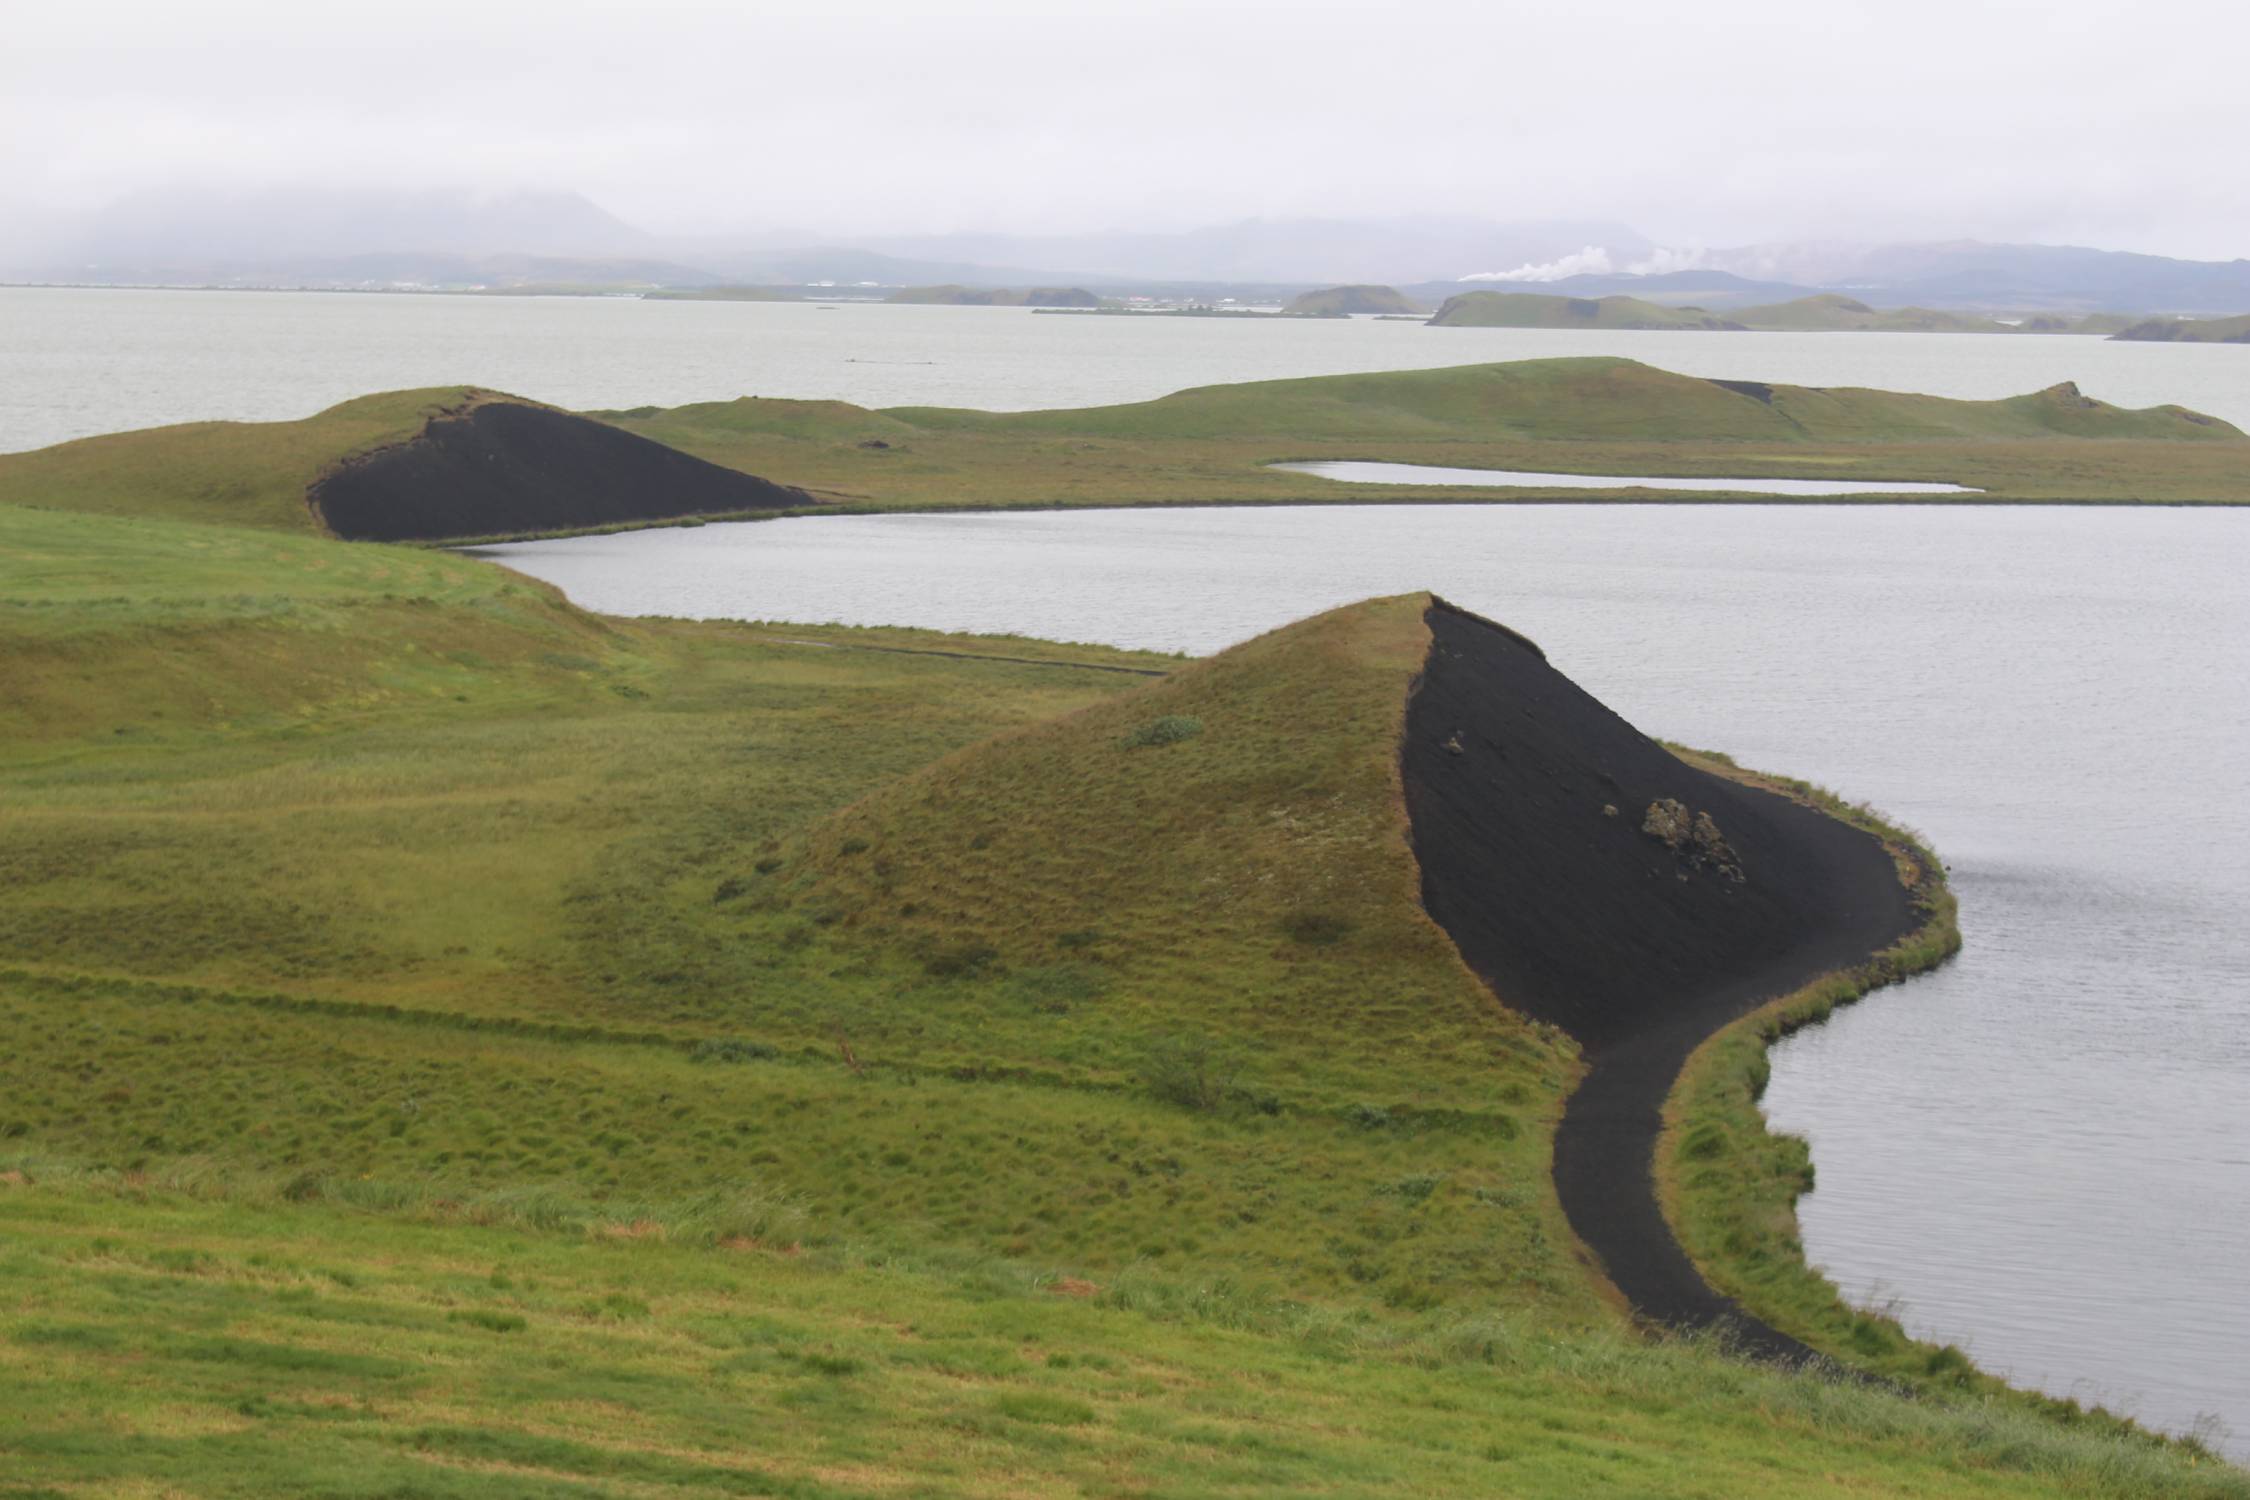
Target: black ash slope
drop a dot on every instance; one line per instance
(506, 468)
(1530, 805)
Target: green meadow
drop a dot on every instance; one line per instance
(456, 1044)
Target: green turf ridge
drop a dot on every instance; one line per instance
(1730, 1186)
(1216, 445)
(1823, 312)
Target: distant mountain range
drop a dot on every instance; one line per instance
(327, 237)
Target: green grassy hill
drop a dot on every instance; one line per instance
(232, 473)
(459, 1045)
(2189, 331)
(1831, 311)
(1330, 301)
(449, 464)
(1541, 310)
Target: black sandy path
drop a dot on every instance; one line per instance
(1527, 800)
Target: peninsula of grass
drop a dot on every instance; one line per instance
(460, 464)
(459, 1044)
(1824, 312)
(1832, 312)
(2188, 331)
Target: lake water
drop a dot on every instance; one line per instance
(2041, 1152)
(1352, 471)
(76, 362)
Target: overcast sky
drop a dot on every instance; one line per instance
(1703, 124)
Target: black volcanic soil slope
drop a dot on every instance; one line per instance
(1598, 882)
(501, 468)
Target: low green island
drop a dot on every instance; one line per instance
(1354, 301)
(2189, 331)
(458, 1044)
(1542, 310)
(1212, 445)
(1825, 312)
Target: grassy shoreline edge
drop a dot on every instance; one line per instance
(1729, 1185)
(1385, 495)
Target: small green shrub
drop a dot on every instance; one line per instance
(1417, 1188)
(1169, 730)
(1193, 1072)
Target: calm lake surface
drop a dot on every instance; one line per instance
(77, 362)
(2041, 1152)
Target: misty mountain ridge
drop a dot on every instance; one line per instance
(318, 236)
(278, 225)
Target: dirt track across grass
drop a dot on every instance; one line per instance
(1597, 881)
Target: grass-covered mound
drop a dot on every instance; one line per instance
(1545, 310)
(1345, 301)
(1833, 312)
(226, 473)
(537, 1053)
(2188, 331)
(427, 465)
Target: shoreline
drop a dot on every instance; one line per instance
(1587, 498)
